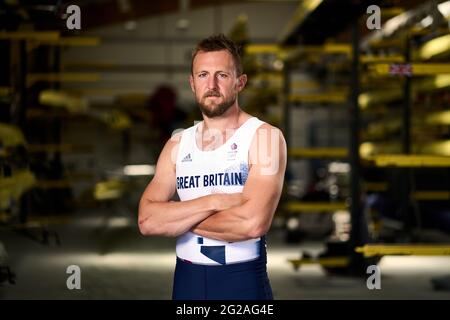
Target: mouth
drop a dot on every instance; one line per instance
(212, 95)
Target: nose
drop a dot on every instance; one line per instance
(212, 83)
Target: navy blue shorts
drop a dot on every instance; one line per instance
(237, 281)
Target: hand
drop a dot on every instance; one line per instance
(224, 201)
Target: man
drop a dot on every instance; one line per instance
(228, 171)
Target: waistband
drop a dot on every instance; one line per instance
(192, 248)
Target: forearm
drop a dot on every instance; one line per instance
(248, 221)
(227, 225)
(173, 218)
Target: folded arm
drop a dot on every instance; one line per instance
(261, 192)
(160, 216)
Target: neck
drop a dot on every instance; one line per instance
(229, 120)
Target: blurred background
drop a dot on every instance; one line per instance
(91, 90)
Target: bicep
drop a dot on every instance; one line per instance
(159, 190)
(262, 191)
(163, 185)
(266, 175)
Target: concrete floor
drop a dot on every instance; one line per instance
(117, 263)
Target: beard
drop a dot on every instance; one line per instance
(213, 109)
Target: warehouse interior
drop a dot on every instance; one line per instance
(91, 90)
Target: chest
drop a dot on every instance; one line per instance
(200, 173)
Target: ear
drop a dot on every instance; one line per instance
(241, 82)
(191, 82)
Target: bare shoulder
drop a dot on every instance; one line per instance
(268, 126)
(267, 131)
(170, 150)
(268, 149)
(175, 138)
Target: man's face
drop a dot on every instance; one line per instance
(214, 82)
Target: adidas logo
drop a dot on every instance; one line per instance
(187, 158)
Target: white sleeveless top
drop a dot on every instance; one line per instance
(200, 173)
